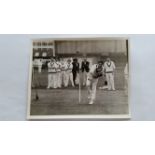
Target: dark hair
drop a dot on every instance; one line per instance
(100, 62)
(75, 59)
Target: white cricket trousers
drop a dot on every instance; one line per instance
(92, 84)
(52, 80)
(69, 77)
(63, 78)
(110, 81)
(59, 79)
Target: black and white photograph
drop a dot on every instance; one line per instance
(79, 78)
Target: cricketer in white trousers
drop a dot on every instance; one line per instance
(69, 77)
(63, 74)
(52, 78)
(110, 80)
(92, 83)
(69, 74)
(58, 79)
(109, 67)
(39, 66)
(63, 78)
(52, 75)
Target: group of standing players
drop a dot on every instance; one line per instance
(61, 72)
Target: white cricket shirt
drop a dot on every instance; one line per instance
(109, 66)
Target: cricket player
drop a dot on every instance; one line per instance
(40, 65)
(63, 73)
(95, 72)
(69, 75)
(58, 70)
(52, 74)
(109, 67)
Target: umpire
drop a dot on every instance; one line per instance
(75, 69)
(85, 69)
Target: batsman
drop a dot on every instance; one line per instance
(96, 71)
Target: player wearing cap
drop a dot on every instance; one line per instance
(109, 67)
(69, 75)
(40, 65)
(58, 74)
(95, 72)
(63, 73)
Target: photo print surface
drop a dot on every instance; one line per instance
(79, 78)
